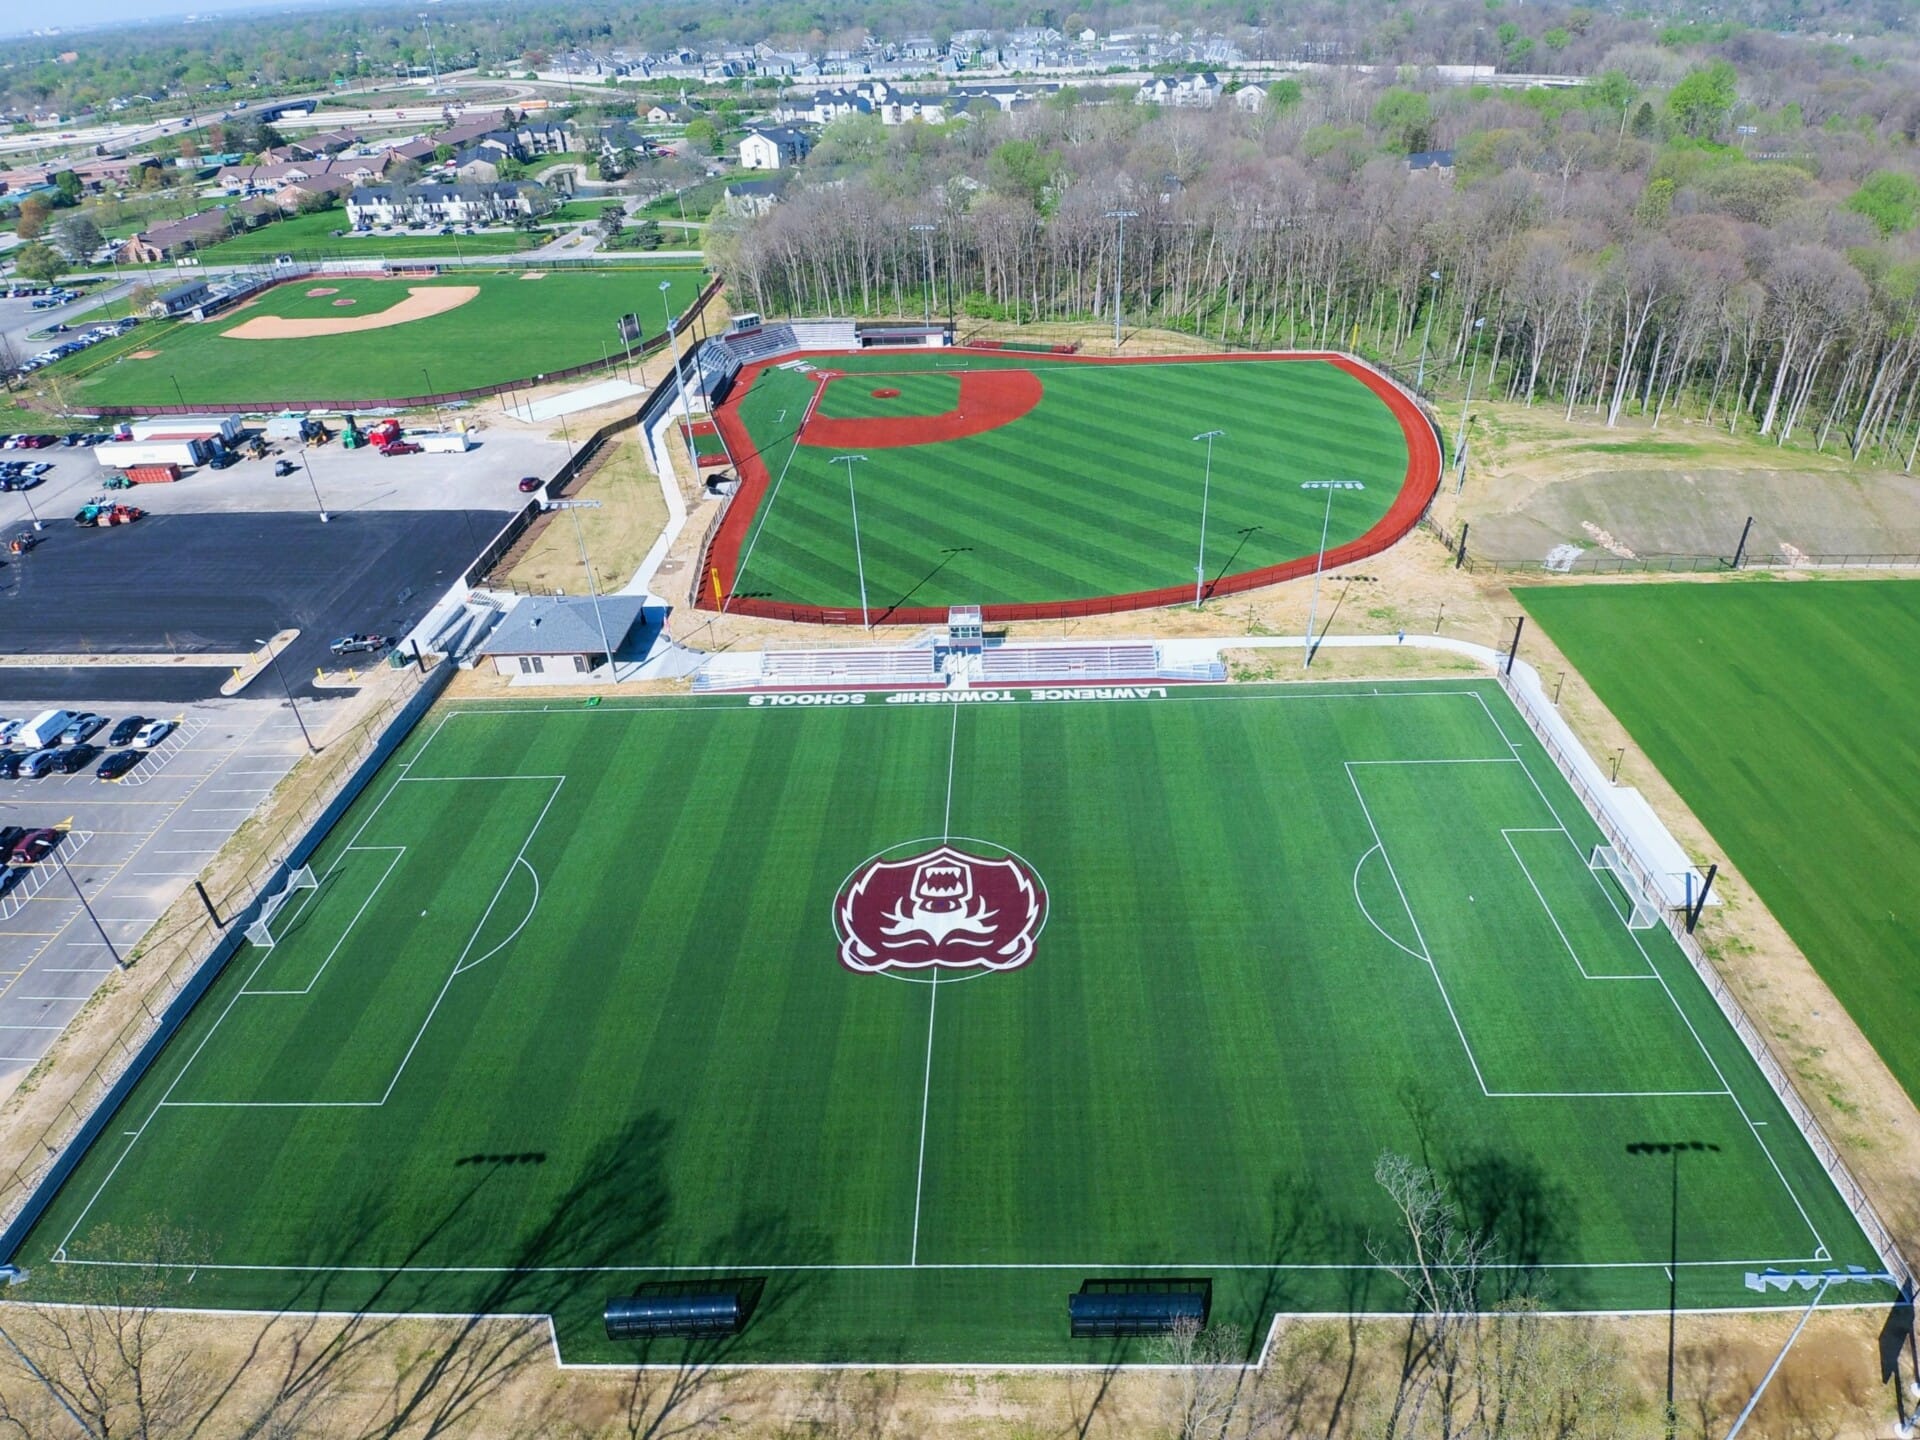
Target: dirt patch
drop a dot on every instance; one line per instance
(534, 275)
(618, 535)
(143, 355)
(422, 303)
(349, 300)
(320, 290)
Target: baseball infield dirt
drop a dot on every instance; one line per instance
(422, 302)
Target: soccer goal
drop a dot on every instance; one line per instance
(1644, 913)
(260, 932)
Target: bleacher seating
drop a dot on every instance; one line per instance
(824, 334)
(762, 344)
(1045, 664)
(833, 669)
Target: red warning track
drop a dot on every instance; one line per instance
(988, 400)
(1004, 389)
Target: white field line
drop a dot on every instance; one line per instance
(397, 853)
(1674, 1000)
(1554, 919)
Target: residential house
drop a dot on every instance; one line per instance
(1438, 164)
(182, 237)
(756, 197)
(1251, 98)
(659, 115)
(459, 204)
(774, 147)
(1181, 91)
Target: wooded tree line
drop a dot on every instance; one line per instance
(1736, 244)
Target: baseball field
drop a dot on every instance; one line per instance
(393, 338)
(1784, 716)
(896, 484)
(904, 1017)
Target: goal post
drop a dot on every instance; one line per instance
(260, 932)
(1643, 910)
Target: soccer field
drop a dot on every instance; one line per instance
(1024, 482)
(514, 328)
(917, 1013)
(1784, 715)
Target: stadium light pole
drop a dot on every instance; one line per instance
(1420, 377)
(81, 895)
(1460, 440)
(593, 590)
(925, 232)
(1119, 265)
(1320, 561)
(1806, 1280)
(859, 562)
(1206, 489)
(273, 659)
(313, 485)
(679, 380)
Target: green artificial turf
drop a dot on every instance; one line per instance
(566, 1013)
(513, 329)
(1097, 491)
(1784, 714)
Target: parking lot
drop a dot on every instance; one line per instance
(133, 847)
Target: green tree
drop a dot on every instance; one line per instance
(1701, 103)
(78, 237)
(1889, 199)
(704, 134)
(1404, 118)
(443, 153)
(1655, 202)
(1644, 124)
(40, 262)
(1558, 38)
(1022, 168)
(68, 184)
(1284, 95)
(1611, 91)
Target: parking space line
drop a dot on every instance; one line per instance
(75, 970)
(31, 1027)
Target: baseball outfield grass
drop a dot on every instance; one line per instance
(515, 328)
(1784, 714)
(1096, 490)
(590, 997)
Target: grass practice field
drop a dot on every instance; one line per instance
(1015, 479)
(309, 237)
(513, 329)
(915, 1014)
(1784, 716)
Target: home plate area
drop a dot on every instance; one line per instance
(899, 1020)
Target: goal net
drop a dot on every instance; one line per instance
(260, 932)
(1643, 913)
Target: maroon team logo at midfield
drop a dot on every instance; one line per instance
(940, 905)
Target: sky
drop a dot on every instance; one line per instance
(23, 18)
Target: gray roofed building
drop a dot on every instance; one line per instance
(560, 634)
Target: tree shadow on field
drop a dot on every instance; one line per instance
(1529, 1217)
(335, 1331)
(946, 559)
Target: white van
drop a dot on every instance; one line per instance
(43, 729)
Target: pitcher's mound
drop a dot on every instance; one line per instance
(143, 354)
(349, 300)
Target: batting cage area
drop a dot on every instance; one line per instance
(870, 1028)
(897, 483)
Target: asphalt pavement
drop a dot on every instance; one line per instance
(213, 584)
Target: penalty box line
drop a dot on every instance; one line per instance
(1425, 953)
(166, 1100)
(1753, 1126)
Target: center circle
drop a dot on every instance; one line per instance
(945, 908)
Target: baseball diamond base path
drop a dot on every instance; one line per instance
(1047, 487)
(422, 303)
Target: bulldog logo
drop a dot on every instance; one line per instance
(943, 908)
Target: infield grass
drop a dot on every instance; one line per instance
(566, 1014)
(513, 329)
(1097, 491)
(1784, 714)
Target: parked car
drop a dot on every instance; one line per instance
(39, 763)
(359, 644)
(124, 732)
(69, 758)
(153, 732)
(10, 763)
(221, 459)
(82, 727)
(9, 729)
(119, 763)
(529, 484)
(401, 447)
(33, 847)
